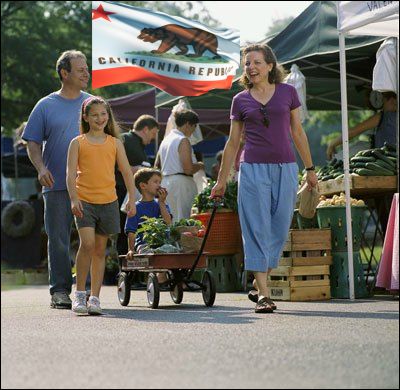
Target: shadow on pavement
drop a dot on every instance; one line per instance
(186, 313)
(382, 315)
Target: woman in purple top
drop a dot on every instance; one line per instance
(268, 111)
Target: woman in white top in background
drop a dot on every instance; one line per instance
(178, 164)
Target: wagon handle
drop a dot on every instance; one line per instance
(217, 202)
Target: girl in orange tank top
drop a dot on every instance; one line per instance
(91, 185)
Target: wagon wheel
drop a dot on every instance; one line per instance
(209, 289)
(153, 291)
(124, 288)
(177, 292)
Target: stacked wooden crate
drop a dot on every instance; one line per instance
(303, 272)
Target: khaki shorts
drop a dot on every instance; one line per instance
(104, 218)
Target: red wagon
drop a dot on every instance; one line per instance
(179, 268)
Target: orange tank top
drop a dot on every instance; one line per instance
(95, 182)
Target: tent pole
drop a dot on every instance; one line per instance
(156, 140)
(345, 139)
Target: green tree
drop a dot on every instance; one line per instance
(35, 33)
(278, 25)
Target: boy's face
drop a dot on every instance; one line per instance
(152, 186)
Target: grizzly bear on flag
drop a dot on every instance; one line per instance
(174, 35)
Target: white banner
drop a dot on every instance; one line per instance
(377, 18)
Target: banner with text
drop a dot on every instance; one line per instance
(174, 54)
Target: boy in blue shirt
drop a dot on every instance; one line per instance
(148, 182)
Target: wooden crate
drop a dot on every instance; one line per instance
(315, 293)
(308, 239)
(307, 247)
(359, 185)
(303, 272)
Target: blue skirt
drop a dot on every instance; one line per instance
(266, 198)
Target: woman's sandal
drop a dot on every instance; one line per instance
(253, 296)
(263, 306)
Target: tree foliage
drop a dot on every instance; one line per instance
(35, 33)
(278, 25)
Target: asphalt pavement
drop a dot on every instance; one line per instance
(330, 344)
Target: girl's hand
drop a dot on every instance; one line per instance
(312, 180)
(130, 254)
(77, 208)
(218, 190)
(130, 208)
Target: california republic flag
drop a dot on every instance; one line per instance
(177, 55)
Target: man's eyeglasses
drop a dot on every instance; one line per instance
(263, 110)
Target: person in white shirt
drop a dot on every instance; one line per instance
(178, 164)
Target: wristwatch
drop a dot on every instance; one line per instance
(312, 168)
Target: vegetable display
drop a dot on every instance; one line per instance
(375, 162)
(338, 200)
(371, 162)
(203, 203)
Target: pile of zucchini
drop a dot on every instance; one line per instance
(375, 162)
(332, 170)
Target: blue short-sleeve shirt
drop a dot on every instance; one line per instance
(149, 209)
(53, 123)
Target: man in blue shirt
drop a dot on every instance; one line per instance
(51, 126)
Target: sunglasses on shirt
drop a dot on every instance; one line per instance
(263, 110)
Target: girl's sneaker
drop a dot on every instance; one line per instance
(93, 306)
(79, 304)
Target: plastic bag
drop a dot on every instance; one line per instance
(183, 104)
(297, 79)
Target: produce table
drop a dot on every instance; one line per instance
(375, 190)
(360, 186)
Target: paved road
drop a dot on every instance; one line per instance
(335, 344)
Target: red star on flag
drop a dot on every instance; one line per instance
(100, 13)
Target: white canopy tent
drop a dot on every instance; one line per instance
(361, 18)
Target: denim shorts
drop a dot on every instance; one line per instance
(104, 218)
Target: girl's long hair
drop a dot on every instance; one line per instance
(112, 128)
(277, 74)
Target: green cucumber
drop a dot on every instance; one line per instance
(385, 165)
(378, 168)
(391, 154)
(358, 164)
(366, 153)
(366, 172)
(362, 159)
(381, 156)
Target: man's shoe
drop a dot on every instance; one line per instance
(60, 300)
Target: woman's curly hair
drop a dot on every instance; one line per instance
(277, 73)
